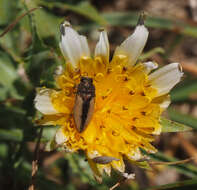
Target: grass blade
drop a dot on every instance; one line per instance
(181, 185)
(185, 91)
(130, 19)
(84, 8)
(11, 135)
(186, 169)
(183, 118)
(172, 126)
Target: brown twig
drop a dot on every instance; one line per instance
(154, 163)
(114, 186)
(11, 26)
(118, 184)
(35, 161)
(188, 147)
(126, 177)
(172, 163)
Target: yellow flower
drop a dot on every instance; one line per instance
(129, 99)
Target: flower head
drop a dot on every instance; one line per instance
(116, 110)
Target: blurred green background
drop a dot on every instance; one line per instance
(29, 54)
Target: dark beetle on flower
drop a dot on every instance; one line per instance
(84, 103)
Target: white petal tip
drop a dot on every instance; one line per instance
(165, 103)
(62, 27)
(134, 44)
(60, 138)
(66, 23)
(59, 70)
(43, 101)
(149, 66)
(72, 45)
(135, 155)
(165, 78)
(142, 18)
(128, 176)
(102, 47)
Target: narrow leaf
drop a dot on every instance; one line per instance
(130, 19)
(183, 118)
(84, 8)
(172, 126)
(11, 134)
(7, 71)
(181, 185)
(150, 53)
(185, 91)
(186, 169)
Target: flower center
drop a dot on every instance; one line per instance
(124, 113)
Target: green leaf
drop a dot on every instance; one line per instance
(84, 8)
(7, 71)
(3, 150)
(8, 78)
(87, 10)
(11, 134)
(40, 63)
(80, 167)
(49, 132)
(12, 117)
(150, 53)
(172, 126)
(186, 169)
(45, 183)
(181, 185)
(141, 164)
(6, 11)
(46, 24)
(184, 91)
(40, 68)
(48, 136)
(50, 145)
(130, 19)
(183, 118)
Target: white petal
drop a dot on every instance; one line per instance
(163, 101)
(129, 176)
(60, 137)
(102, 47)
(107, 169)
(73, 45)
(135, 154)
(43, 101)
(166, 78)
(84, 46)
(166, 102)
(149, 66)
(59, 70)
(134, 44)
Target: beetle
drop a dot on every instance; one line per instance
(84, 103)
